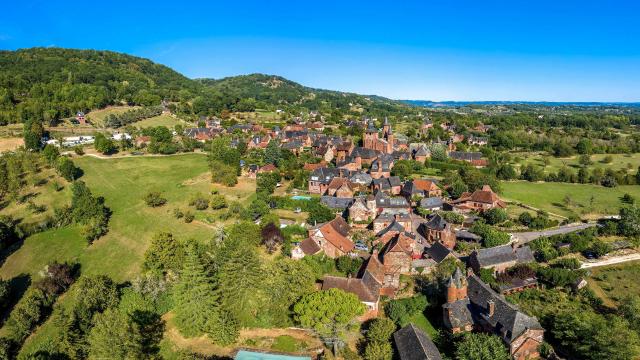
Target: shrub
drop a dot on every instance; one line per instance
(154, 199)
(218, 202)
(199, 202)
(188, 217)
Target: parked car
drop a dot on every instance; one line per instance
(362, 247)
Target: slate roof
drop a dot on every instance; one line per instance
(413, 344)
(502, 254)
(437, 252)
(507, 320)
(436, 223)
(351, 285)
(383, 201)
(431, 202)
(364, 153)
(467, 236)
(309, 247)
(382, 163)
(325, 174)
(386, 183)
(336, 203)
(422, 151)
(362, 178)
(393, 227)
(459, 313)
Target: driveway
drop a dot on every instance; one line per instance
(611, 261)
(525, 237)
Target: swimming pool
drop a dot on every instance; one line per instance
(254, 355)
(300, 197)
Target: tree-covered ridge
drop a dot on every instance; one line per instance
(269, 91)
(50, 83)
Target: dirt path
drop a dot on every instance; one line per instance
(611, 261)
(525, 237)
(125, 156)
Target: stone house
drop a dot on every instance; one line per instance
(340, 187)
(500, 258)
(472, 304)
(480, 200)
(333, 237)
(363, 210)
(438, 230)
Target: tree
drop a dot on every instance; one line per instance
(629, 224)
(196, 302)
(104, 144)
(271, 237)
(57, 278)
(381, 330)
(318, 213)
(67, 169)
(115, 336)
(506, 172)
(330, 313)
(164, 254)
(51, 154)
(272, 153)
(629, 308)
(438, 152)
(458, 188)
(495, 216)
(348, 264)
(479, 346)
(378, 350)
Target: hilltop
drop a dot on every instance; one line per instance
(53, 83)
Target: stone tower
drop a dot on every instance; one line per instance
(456, 287)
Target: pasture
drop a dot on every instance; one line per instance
(584, 200)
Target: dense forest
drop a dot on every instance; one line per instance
(48, 84)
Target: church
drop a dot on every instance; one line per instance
(372, 139)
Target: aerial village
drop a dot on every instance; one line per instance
(356, 182)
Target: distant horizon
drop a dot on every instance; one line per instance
(547, 51)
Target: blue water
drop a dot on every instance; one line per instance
(251, 355)
(300, 197)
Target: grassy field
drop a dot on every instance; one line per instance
(619, 161)
(614, 282)
(550, 197)
(123, 183)
(10, 143)
(96, 117)
(160, 120)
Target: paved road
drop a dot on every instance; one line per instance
(611, 261)
(525, 237)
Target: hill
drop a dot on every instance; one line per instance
(271, 91)
(49, 84)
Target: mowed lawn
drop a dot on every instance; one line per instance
(160, 120)
(550, 197)
(615, 282)
(123, 183)
(96, 117)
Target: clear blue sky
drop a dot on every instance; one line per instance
(436, 50)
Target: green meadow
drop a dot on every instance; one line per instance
(584, 200)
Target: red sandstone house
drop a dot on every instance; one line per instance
(473, 305)
(363, 211)
(438, 230)
(332, 237)
(311, 167)
(341, 188)
(480, 200)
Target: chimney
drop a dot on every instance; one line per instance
(491, 306)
